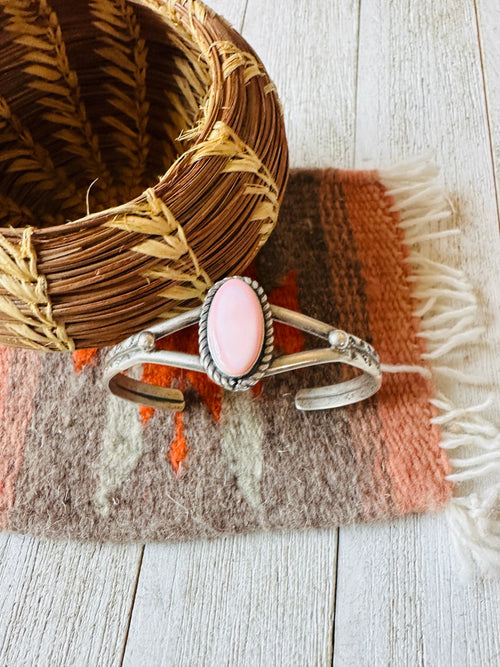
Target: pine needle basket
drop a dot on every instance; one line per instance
(142, 157)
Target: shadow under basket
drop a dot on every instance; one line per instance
(142, 157)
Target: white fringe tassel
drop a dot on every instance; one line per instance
(449, 312)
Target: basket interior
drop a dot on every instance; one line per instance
(94, 99)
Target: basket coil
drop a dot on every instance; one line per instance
(142, 157)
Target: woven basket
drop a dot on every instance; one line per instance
(98, 99)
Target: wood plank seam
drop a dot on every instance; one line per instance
(132, 603)
(487, 108)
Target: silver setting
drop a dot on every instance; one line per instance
(338, 339)
(342, 347)
(139, 342)
(262, 364)
(146, 341)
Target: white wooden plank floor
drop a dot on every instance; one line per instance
(362, 82)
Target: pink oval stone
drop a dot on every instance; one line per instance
(235, 328)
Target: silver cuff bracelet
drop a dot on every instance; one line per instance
(235, 329)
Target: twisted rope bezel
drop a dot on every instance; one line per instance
(232, 383)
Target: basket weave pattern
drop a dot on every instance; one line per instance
(142, 157)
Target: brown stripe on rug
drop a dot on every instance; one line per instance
(311, 472)
(202, 500)
(348, 281)
(53, 490)
(58, 492)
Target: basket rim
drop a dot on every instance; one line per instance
(189, 19)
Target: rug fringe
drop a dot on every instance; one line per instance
(449, 313)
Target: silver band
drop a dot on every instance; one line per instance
(342, 348)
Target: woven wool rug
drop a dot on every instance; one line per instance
(77, 462)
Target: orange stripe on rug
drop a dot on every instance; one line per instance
(6, 454)
(417, 472)
(84, 358)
